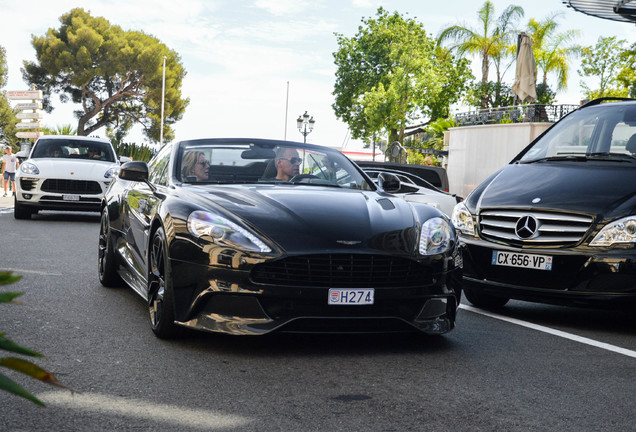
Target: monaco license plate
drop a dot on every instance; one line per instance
(522, 260)
(71, 197)
(351, 296)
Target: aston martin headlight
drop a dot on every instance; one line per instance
(224, 232)
(463, 220)
(111, 173)
(436, 236)
(622, 231)
(29, 168)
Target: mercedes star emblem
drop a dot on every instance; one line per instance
(526, 227)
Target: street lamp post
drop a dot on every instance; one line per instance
(305, 125)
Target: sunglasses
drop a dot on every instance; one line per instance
(204, 163)
(293, 161)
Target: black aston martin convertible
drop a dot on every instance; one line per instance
(248, 236)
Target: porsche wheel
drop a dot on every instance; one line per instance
(20, 211)
(160, 296)
(106, 260)
(483, 300)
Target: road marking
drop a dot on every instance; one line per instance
(552, 331)
(173, 414)
(37, 272)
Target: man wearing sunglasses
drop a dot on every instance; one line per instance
(287, 163)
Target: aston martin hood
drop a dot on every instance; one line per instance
(596, 188)
(302, 217)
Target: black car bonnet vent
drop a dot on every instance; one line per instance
(386, 204)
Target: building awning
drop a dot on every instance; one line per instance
(616, 10)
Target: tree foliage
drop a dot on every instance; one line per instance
(627, 76)
(8, 119)
(493, 40)
(604, 62)
(391, 73)
(66, 129)
(553, 50)
(115, 75)
(545, 95)
(489, 95)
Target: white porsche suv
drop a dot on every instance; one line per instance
(64, 172)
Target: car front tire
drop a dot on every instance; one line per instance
(20, 211)
(483, 300)
(160, 294)
(106, 258)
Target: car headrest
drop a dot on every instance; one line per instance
(631, 144)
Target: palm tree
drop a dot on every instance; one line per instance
(491, 40)
(552, 50)
(66, 129)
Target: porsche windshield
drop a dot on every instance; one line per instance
(605, 131)
(218, 162)
(73, 149)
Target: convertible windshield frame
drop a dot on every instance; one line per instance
(244, 161)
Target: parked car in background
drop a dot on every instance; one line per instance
(416, 189)
(558, 224)
(64, 172)
(212, 237)
(436, 176)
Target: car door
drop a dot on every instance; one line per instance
(141, 204)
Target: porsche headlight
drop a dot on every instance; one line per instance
(29, 168)
(463, 220)
(224, 232)
(622, 231)
(436, 236)
(111, 173)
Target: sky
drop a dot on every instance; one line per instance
(254, 66)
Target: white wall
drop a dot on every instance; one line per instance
(475, 152)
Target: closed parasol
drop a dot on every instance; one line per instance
(526, 74)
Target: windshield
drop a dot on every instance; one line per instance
(605, 129)
(73, 149)
(215, 161)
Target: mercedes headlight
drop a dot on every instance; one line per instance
(620, 231)
(463, 220)
(29, 168)
(436, 236)
(224, 232)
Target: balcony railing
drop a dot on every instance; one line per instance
(514, 114)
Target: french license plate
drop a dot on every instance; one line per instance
(522, 260)
(71, 197)
(350, 296)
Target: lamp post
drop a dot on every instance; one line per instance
(305, 125)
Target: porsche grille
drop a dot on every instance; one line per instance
(28, 184)
(348, 271)
(553, 229)
(71, 186)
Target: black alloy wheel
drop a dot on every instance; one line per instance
(106, 259)
(483, 300)
(160, 295)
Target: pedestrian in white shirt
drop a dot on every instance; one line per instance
(9, 165)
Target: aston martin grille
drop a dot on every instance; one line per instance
(349, 271)
(71, 186)
(533, 228)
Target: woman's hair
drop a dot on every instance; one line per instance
(189, 161)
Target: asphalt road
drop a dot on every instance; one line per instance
(572, 370)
